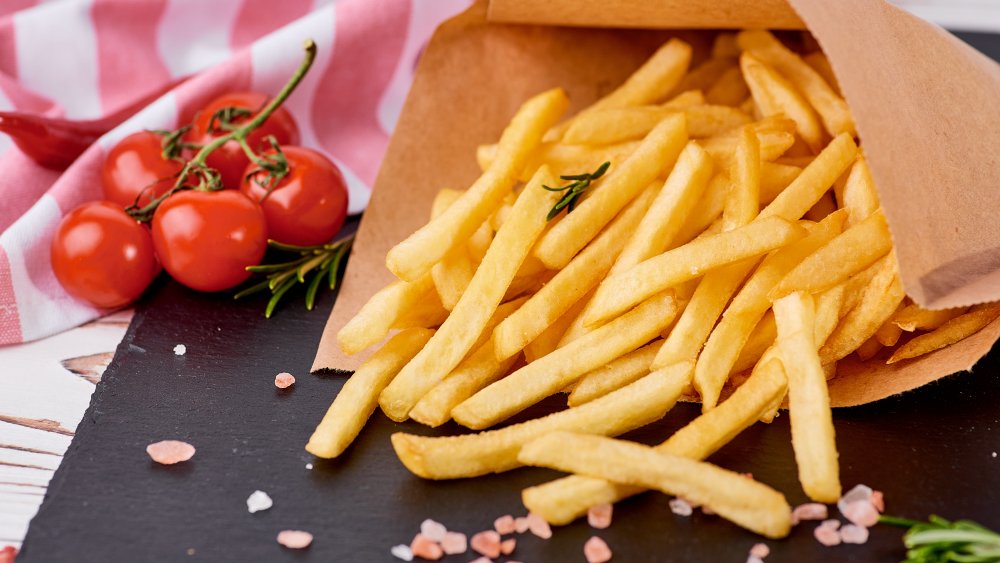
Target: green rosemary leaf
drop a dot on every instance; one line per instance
(313, 288)
(256, 288)
(575, 189)
(278, 294)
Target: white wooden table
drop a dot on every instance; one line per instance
(45, 386)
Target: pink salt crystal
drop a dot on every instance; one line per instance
(402, 552)
(878, 501)
(482, 560)
(809, 511)
(504, 524)
(425, 548)
(831, 523)
(539, 526)
(599, 516)
(169, 452)
(295, 539)
(486, 543)
(507, 546)
(454, 542)
(861, 512)
(754, 559)
(859, 492)
(520, 524)
(827, 535)
(433, 530)
(854, 534)
(680, 507)
(284, 380)
(596, 551)
(760, 550)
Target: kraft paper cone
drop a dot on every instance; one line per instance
(932, 155)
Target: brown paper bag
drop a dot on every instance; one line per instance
(924, 103)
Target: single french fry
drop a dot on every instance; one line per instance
(454, 272)
(852, 251)
(427, 312)
(686, 99)
(415, 255)
(797, 161)
(622, 124)
(744, 203)
(913, 317)
(773, 94)
(878, 302)
(571, 283)
(358, 398)
(553, 372)
(735, 497)
(614, 375)
(826, 205)
(828, 306)
(814, 180)
(627, 289)
(761, 338)
(480, 241)
(379, 315)
(950, 332)
(494, 451)
(869, 349)
(808, 399)
(828, 104)
(563, 159)
(563, 500)
(499, 216)
(855, 287)
(455, 338)
(729, 90)
(704, 75)
(658, 152)
(859, 196)
(888, 334)
(818, 61)
(552, 337)
(664, 218)
(706, 210)
(725, 46)
(772, 145)
(774, 178)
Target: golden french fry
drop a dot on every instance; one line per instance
(685, 99)
(658, 152)
(500, 215)
(464, 326)
(852, 251)
(761, 338)
(772, 145)
(797, 161)
(774, 178)
(744, 202)
(358, 398)
(571, 283)
(495, 451)
(706, 210)
(427, 312)
(859, 195)
(855, 287)
(950, 332)
(621, 124)
(808, 399)
(869, 349)
(888, 334)
(553, 372)
(614, 375)
(480, 242)
(454, 272)
(818, 61)
(773, 94)
(552, 337)
(828, 307)
(563, 159)
(416, 255)
(563, 500)
(735, 497)
(878, 302)
(913, 317)
(729, 90)
(724, 46)
(828, 104)
(625, 290)
(704, 75)
(379, 315)
(815, 179)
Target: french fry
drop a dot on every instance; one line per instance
(826, 205)
(950, 332)
(888, 334)
(685, 99)
(416, 255)
(571, 283)
(614, 375)
(859, 196)
(772, 145)
(704, 75)
(455, 338)
(563, 158)
(563, 500)
(729, 90)
(855, 287)
(552, 336)
(454, 272)
(358, 398)
(774, 178)
(495, 451)
(744, 203)
(913, 317)
(622, 124)
(828, 104)
(428, 312)
(852, 251)
(480, 241)
(878, 302)
(553, 372)
(815, 179)
(828, 307)
(869, 349)
(625, 290)
(665, 215)
(808, 399)
(379, 315)
(658, 152)
(818, 61)
(773, 94)
(725, 46)
(761, 338)
(706, 210)
(735, 497)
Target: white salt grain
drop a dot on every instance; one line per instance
(180, 349)
(681, 507)
(859, 492)
(854, 534)
(432, 530)
(309, 466)
(258, 501)
(402, 552)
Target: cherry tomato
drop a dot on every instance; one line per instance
(102, 255)
(135, 165)
(205, 240)
(308, 205)
(229, 159)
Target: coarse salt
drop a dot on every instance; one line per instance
(402, 552)
(180, 349)
(760, 550)
(854, 534)
(426, 548)
(520, 524)
(596, 550)
(878, 501)
(433, 530)
(258, 501)
(599, 516)
(861, 512)
(309, 466)
(754, 559)
(284, 380)
(507, 546)
(504, 524)
(482, 560)
(680, 507)
(454, 542)
(539, 526)
(809, 511)
(486, 543)
(827, 535)
(169, 452)
(295, 539)
(859, 492)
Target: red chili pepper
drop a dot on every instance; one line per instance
(7, 554)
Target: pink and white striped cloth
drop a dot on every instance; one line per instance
(84, 59)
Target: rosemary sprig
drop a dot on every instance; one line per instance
(317, 263)
(574, 190)
(941, 541)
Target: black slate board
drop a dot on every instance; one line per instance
(933, 450)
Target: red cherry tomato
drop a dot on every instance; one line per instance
(229, 159)
(205, 240)
(135, 165)
(102, 255)
(308, 205)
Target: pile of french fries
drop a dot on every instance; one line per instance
(733, 249)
